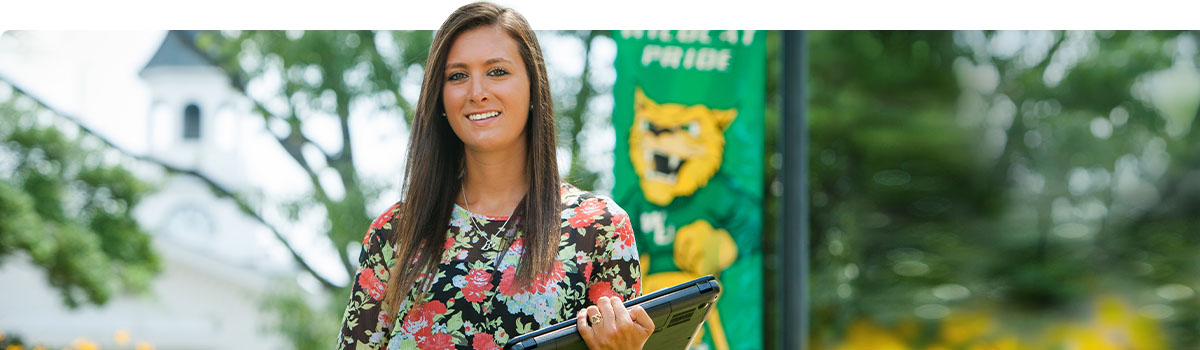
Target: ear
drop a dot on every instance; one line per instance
(640, 101)
(725, 117)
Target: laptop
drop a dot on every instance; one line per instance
(677, 312)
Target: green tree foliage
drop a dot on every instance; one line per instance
(311, 75)
(67, 205)
(322, 75)
(894, 179)
(1027, 172)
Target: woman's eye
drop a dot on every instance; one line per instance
(456, 76)
(498, 72)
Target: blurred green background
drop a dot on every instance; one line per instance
(1004, 190)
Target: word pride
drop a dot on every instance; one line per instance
(705, 51)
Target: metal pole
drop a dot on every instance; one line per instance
(793, 279)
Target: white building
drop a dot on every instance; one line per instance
(214, 274)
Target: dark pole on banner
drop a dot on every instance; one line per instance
(793, 279)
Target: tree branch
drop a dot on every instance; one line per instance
(295, 140)
(384, 70)
(216, 187)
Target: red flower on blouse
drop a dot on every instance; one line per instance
(542, 283)
(478, 282)
(371, 284)
(385, 319)
(586, 212)
(620, 218)
(484, 341)
(384, 218)
(507, 278)
(587, 272)
(419, 320)
(600, 289)
(625, 234)
(440, 341)
(449, 243)
(517, 247)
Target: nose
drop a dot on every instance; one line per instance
(478, 91)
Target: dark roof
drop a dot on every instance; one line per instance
(178, 49)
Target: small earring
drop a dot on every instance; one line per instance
(443, 114)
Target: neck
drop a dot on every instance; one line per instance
(495, 181)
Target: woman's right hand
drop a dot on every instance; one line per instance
(618, 329)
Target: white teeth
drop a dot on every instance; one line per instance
(653, 174)
(482, 116)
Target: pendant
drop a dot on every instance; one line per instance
(489, 243)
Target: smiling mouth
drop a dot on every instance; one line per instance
(483, 116)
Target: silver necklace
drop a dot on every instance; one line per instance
(491, 241)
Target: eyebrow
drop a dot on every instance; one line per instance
(490, 61)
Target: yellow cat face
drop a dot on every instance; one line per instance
(675, 149)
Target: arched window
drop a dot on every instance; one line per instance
(191, 122)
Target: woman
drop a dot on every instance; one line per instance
(489, 243)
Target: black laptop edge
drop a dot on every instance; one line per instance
(516, 343)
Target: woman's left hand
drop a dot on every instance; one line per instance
(618, 329)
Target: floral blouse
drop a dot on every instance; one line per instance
(472, 302)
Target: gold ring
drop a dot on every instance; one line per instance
(596, 319)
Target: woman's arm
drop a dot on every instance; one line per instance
(365, 324)
(616, 271)
(616, 277)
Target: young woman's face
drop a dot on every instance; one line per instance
(486, 91)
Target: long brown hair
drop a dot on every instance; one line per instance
(435, 158)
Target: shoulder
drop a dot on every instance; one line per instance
(573, 198)
(383, 224)
(582, 208)
(599, 219)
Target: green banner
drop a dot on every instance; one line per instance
(688, 114)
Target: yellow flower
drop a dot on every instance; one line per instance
(866, 335)
(959, 328)
(1112, 312)
(14, 347)
(144, 346)
(1085, 338)
(1124, 327)
(84, 344)
(121, 337)
(1006, 343)
(1113, 325)
(1145, 334)
(908, 329)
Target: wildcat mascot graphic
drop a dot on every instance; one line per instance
(675, 150)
